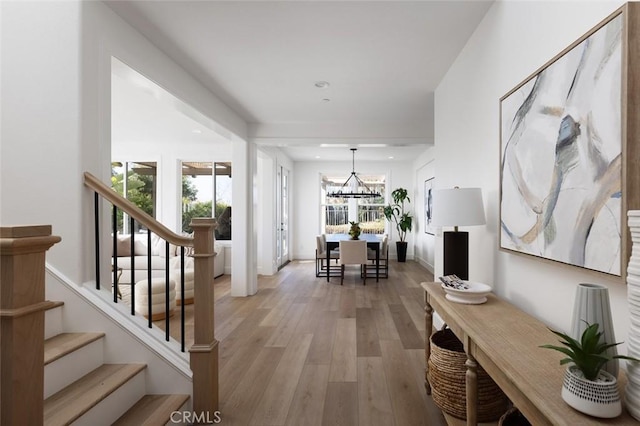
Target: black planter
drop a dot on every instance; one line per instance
(401, 249)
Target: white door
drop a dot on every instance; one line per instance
(282, 217)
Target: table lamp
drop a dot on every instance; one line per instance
(457, 207)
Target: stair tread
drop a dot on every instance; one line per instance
(64, 343)
(152, 410)
(80, 396)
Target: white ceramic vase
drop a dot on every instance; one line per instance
(598, 398)
(591, 305)
(632, 391)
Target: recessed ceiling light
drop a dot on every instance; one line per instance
(317, 156)
(196, 131)
(391, 157)
(326, 100)
(321, 84)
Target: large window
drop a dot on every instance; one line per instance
(336, 213)
(202, 182)
(371, 210)
(223, 195)
(138, 181)
(197, 192)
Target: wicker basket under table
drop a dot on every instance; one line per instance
(446, 375)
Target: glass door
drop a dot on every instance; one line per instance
(282, 217)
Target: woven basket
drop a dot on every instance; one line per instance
(446, 375)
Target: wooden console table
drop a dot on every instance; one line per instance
(505, 342)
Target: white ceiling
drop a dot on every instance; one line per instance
(383, 60)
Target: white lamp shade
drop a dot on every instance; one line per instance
(458, 207)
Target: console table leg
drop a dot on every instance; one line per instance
(472, 390)
(428, 322)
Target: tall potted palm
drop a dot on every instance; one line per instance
(395, 213)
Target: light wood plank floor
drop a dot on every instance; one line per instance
(306, 352)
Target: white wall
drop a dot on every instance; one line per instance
(424, 244)
(41, 180)
(56, 72)
(513, 40)
(306, 213)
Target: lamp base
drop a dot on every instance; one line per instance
(456, 254)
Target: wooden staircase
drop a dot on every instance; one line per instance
(51, 377)
(80, 388)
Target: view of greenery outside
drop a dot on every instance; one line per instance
(191, 207)
(140, 189)
(223, 197)
(141, 192)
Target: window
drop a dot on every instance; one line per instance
(336, 213)
(197, 192)
(139, 186)
(223, 193)
(371, 210)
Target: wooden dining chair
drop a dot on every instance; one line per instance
(353, 252)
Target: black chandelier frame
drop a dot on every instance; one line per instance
(346, 190)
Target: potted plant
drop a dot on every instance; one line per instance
(355, 230)
(587, 387)
(396, 213)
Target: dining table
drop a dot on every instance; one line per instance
(373, 243)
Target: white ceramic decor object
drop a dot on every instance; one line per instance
(598, 398)
(632, 390)
(592, 306)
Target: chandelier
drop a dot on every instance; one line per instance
(356, 188)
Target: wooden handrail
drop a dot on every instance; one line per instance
(136, 212)
(204, 351)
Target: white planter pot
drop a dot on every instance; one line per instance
(592, 306)
(598, 398)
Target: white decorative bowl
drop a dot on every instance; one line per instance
(474, 295)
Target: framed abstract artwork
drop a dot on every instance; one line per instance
(428, 207)
(565, 140)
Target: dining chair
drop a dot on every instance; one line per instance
(321, 257)
(353, 252)
(383, 267)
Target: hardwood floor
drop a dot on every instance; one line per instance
(306, 352)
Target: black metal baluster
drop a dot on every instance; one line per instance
(149, 294)
(166, 291)
(132, 280)
(96, 203)
(115, 253)
(183, 298)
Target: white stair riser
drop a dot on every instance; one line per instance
(71, 367)
(116, 404)
(52, 322)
